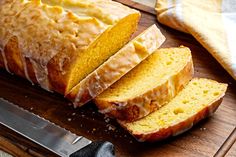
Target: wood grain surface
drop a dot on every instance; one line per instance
(232, 151)
(208, 138)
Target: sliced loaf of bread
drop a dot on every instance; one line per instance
(199, 99)
(58, 43)
(117, 66)
(150, 85)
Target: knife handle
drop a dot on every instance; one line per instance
(96, 149)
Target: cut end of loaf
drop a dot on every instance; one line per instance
(199, 99)
(104, 47)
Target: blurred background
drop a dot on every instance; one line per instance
(150, 3)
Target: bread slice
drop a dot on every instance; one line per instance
(117, 66)
(199, 99)
(148, 86)
(58, 43)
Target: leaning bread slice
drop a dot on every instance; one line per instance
(199, 99)
(150, 85)
(116, 66)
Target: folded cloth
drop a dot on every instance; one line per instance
(211, 22)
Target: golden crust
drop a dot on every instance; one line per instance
(132, 111)
(177, 128)
(117, 66)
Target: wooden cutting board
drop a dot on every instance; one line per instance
(213, 136)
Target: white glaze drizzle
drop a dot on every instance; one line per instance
(26, 70)
(62, 61)
(4, 59)
(41, 74)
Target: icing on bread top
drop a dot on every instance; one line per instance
(45, 29)
(107, 11)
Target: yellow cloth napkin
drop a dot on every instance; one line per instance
(211, 22)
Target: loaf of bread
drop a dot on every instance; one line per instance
(147, 87)
(117, 66)
(58, 43)
(199, 99)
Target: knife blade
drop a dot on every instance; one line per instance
(48, 135)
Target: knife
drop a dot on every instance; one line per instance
(50, 136)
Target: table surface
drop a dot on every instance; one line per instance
(213, 136)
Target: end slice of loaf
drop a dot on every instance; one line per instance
(58, 43)
(117, 66)
(199, 99)
(150, 85)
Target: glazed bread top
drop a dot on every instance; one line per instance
(198, 94)
(64, 40)
(105, 11)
